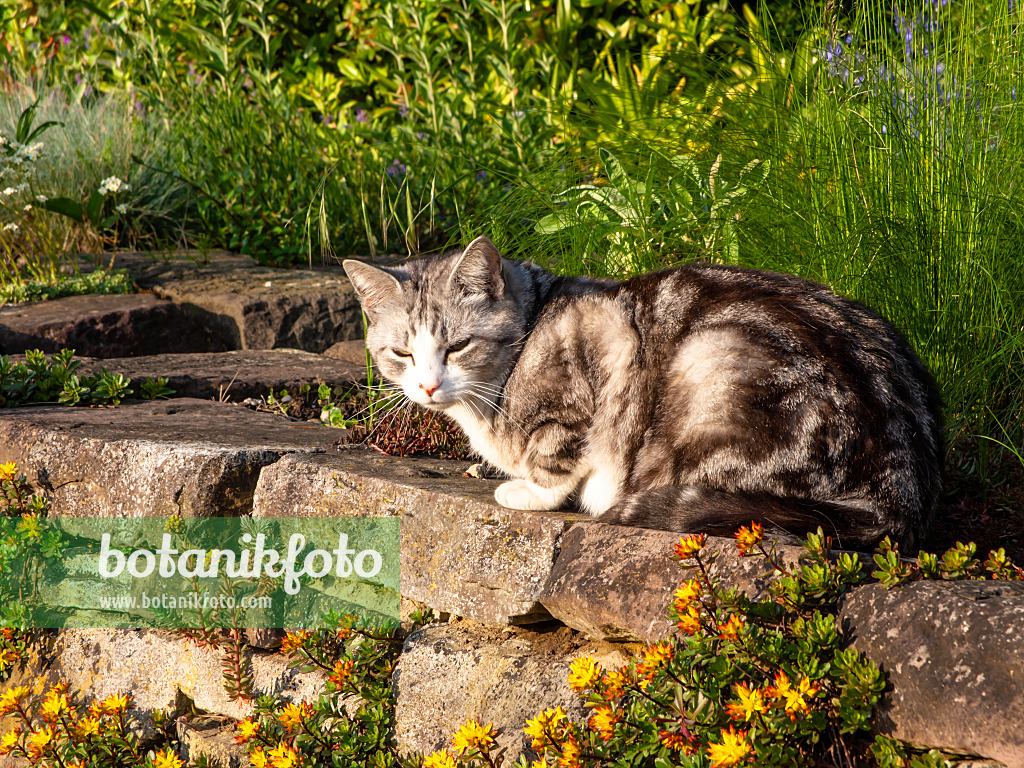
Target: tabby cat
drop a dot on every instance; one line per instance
(691, 399)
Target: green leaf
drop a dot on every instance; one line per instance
(65, 206)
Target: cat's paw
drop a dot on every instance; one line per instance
(522, 494)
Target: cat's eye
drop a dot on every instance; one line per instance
(402, 353)
(457, 347)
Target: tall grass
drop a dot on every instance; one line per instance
(899, 180)
(895, 143)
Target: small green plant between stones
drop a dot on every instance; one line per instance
(42, 379)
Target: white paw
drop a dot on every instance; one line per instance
(522, 494)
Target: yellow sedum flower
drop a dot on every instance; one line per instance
(246, 730)
(39, 740)
(11, 698)
(748, 539)
(167, 759)
(9, 741)
(543, 725)
(442, 759)
(603, 721)
(294, 640)
(688, 592)
(283, 756)
(259, 758)
(8, 470)
(571, 752)
(584, 674)
(290, 717)
(88, 726)
(114, 704)
(614, 683)
(689, 622)
(55, 705)
(751, 702)
(473, 735)
(654, 657)
(733, 750)
(733, 628)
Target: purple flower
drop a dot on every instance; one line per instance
(481, 175)
(397, 168)
(361, 116)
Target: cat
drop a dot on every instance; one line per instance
(694, 399)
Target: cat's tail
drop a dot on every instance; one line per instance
(692, 509)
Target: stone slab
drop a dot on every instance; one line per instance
(452, 672)
(188, 457)
(954, 656)
(233, 375)
(110, 326)
(461, 552)
(616, 582)
(263, 307)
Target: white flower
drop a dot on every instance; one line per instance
(33, 151)
(28, 207)
(122, 208)
(8, 192)
(113, 185)
(40, 198)
(21, 187)
(10, 227)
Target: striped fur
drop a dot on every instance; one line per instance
(691, 399)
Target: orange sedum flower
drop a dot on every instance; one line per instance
(603, 721)
(689, 546)
(541, 728)
(747, 539)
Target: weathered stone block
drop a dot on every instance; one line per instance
(616, 582)
(165, 671)
(264, 308)
(954, 656)
(110, 326)
(189, 457)
(461, 552)
(450, 673)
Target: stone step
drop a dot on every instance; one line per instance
(111, 326)
(192, 303)
(461, 553)
(232, 375)
(257, 307)
(183, 456)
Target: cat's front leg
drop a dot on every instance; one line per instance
(553, 470)
(522, 494)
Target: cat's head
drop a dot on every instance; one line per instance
(445, 328)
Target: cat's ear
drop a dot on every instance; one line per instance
(378, 289)
(479, 269)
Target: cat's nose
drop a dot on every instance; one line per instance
(430, 390)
